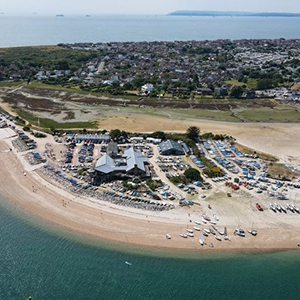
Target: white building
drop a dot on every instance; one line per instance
(147, 88)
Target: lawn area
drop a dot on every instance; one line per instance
(49, 123)
(216, 115)
(73, 88)
(10, 83)
(279, 114)
(250, 85)
(42, 86)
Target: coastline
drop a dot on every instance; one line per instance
(122, 225)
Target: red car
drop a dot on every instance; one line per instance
(258, 207)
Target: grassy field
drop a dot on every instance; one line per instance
(48, 87)
(10, 83)
(279, 114)
(250, 85)
(73, 88)
(296, 86)
(279, 171)
(49, 123)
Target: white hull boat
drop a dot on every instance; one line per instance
(201, 239)
(216, 217)
(296, 208)
(226, 238)
(272, 207)
(283, 208)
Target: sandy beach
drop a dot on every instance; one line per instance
(281, 140)
(50, 202)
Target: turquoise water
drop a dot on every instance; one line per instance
(57, 265)
(38, 30)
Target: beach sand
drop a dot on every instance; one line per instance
(50, 202)
(281, 140)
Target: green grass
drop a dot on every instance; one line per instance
(49, 87)
(49, 123)
(10, 83)
(73, 88)
(250, 85)
(264, 114)
(279, 114)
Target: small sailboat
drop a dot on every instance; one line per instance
(207, 231)
(206, 218)
(240, 232)
(282, 208)
(225, 234)
(127, 263)
(201, 239)
(218, 238)
(190, 234)
(168, 236)
(296, 208)
(290, 207)
(196, 228)
(278, 207)
(272, 207)
(197, 222)
(183, 235)
(189, 230)
(216, 217)
(212, 232)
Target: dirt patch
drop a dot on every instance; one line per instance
(70, 115)
(280, 171)
(30, 103)
(247, 150)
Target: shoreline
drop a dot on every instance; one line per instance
(121, 225)
(139, 249)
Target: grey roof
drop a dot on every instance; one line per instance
(169, 145)
(105, 136)
(106, 164)
(135, 157)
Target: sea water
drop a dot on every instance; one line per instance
(42, 30)
(45, 262)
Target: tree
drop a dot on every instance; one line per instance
(237, 92)
(264, 84)
(115, 134)
(159, 135)
(193, 133)
(193, 174)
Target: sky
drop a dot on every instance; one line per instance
(98, 7)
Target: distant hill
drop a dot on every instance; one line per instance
(231, 14)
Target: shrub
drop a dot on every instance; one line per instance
(26, 128)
